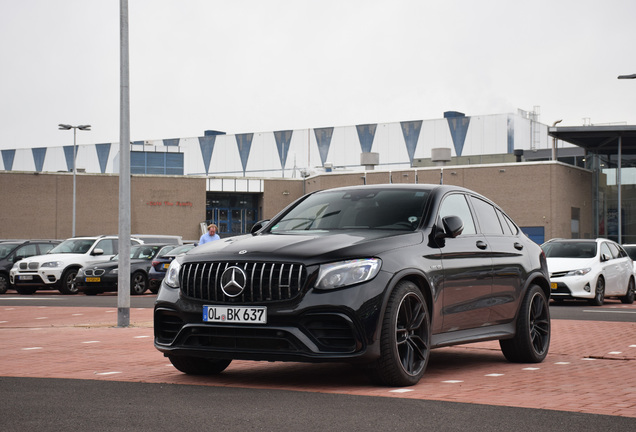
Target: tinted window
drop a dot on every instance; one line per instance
(456, 205)
(508, 225)
(487, 216)
(391, 209)
(614, 249)
(6, 248)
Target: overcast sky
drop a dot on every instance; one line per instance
(263, 65)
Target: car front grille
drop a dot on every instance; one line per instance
(263, 282)
(94, 272)
(28, 265)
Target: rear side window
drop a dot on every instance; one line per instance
(456, 205)
(107, 246)
(508, 225)
(487, 217)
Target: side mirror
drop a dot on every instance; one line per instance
(97, 251)
(258, 226)
(605, 257)
(451, 227)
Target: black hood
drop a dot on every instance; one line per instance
(312, 247)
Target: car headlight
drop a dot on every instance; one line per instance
(579, 272)
(115, 270)
(80, 273)
(344, 273)
(172, 275)
(51, 264)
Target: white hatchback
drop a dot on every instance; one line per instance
(589, 269)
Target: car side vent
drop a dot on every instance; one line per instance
(252, 282)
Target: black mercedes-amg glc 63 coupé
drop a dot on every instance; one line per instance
(374, 275)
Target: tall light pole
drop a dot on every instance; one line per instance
(75, 128)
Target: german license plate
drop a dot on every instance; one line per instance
(26, 277)
(235, 314)
(553, 285)
(93, 279)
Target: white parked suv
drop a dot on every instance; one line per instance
(58, 268)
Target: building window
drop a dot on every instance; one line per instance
(156, 163)
(575, 222)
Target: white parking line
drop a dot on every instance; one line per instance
(106, 373)
(31, 349)
(609, 311)
(400, 391)
(453, 381)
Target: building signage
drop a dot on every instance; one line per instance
(169, 203)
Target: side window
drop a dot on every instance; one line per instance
(605, 251)
(107, 246)
(25, 252)
(487, 217)
(614, 249)
(508, 226)
(45, 247)
(456, 205)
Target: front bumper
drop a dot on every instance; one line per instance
(335, 325)
(573, 287)
(40, 278)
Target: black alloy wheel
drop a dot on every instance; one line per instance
(532, 338)
(405, 341)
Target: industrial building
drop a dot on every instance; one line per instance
(552, 185)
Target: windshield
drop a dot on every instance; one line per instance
(584, 249)
(79, 246)
(380, 209)
(6, 248)
(145, 252)
(179, 250)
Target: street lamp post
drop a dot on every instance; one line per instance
(75, 128)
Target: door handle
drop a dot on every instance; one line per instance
(518, 246)
(481, 244)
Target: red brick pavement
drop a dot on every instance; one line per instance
(591, 367)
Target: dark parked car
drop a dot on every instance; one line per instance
(161, 263)
(12, 251)
(377, 275)
(102, 276)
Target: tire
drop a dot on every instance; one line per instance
(628, 298)
(405, 338)
(532, 337)
(138, 283)
(599, 293)
(198, 365)
(67, 283)
(4, 283)
(25, 290)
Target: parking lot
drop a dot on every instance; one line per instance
(590, 367)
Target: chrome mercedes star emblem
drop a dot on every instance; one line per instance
(233, 281)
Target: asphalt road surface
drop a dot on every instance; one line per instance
(34, 404)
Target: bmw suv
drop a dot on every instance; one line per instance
(375, 275)
(12, 251)
(58, 268)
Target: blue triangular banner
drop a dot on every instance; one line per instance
(458, 129)
(283, 141)
(103, 150)
(68, 155)
(411, 132)
(244, 144)
(7, 157)
(323, 138)
(366, 133)
(38, 157)
(206, 143)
